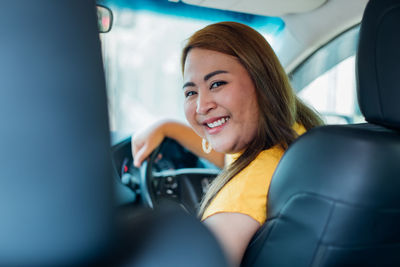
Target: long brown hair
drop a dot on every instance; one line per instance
(279, 108)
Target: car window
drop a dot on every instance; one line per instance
(142, 57)
(142, 63)
(326, 80)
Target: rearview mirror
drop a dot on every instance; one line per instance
(104, 18)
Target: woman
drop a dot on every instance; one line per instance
(238, 100)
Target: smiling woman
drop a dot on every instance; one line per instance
(237, 98)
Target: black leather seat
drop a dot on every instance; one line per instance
(334, 199)
(56, 187)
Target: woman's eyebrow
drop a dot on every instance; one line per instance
(188, 84)
(206, 77)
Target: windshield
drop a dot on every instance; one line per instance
(142, 56)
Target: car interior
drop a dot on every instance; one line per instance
(69, 198)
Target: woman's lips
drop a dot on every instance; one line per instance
(215, 125)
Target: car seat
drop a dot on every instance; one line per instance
(57, 205)
(334, 199)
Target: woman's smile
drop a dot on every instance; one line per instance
(215, 125)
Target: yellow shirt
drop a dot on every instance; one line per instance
(246, 193)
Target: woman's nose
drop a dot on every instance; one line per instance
(205, 102)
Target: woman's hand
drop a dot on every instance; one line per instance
(145, 141)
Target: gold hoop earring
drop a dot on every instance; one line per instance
(206, 146)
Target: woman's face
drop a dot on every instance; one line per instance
(220, 100)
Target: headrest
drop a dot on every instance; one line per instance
(378, 63)
(55, 165)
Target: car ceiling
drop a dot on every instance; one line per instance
(260, 7)
(308, 23)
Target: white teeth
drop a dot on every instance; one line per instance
(218, 122)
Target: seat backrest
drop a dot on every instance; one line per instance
(334, 199)
(57, 206)
(55, 168)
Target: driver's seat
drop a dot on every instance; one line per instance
(334, 199)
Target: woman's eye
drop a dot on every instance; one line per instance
(189, 93)
(217, 84)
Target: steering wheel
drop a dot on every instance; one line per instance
(185, 185)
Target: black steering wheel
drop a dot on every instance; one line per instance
(183, 185)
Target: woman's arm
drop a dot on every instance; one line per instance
(234, 232)
(147, 140)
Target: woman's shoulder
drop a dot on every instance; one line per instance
(272, 153)
(299, 128)
(246, 192)
(261, 167)
(263, 156)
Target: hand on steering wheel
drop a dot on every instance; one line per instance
(186, 185)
